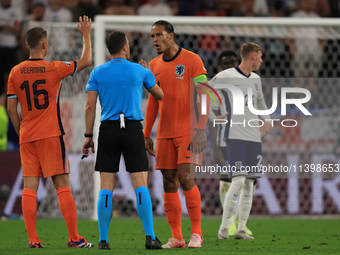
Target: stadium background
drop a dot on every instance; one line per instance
(314, 141)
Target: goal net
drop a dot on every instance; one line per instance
(296, 52)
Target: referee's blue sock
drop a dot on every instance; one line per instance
(104, 209)
(144, 209)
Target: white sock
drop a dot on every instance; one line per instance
(231, 221)
(237, 211)
(230, 200)
(245, 204)
(224, 187)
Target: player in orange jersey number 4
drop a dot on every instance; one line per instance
(36, 85)
(173, 69)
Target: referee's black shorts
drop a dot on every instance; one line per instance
(113, 141)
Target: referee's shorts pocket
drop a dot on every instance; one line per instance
(103, 126)
(137, 136)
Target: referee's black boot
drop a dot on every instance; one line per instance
(152, 244)
(103, 245)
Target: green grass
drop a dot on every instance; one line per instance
(273, 236)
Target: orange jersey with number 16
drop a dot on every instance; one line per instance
(37, 83)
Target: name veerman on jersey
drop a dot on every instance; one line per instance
(237, 126)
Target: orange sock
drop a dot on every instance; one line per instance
(69, 210)
(173, 212)
(193, 202)
(29, 210)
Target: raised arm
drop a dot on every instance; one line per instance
(84, 27)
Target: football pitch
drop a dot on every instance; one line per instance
(272, 236)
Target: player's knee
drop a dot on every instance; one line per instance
(31, 183)
(238, 182)
(170, 185)
(187, 183)
(225, 179)
(239, 179)
(249, 184)
(61, 181)
(106, 185)
(139, 179)
(139, 183)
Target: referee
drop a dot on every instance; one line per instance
(119, 84)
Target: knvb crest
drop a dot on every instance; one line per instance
(180, 70)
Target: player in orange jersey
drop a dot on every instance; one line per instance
(36, 85)
(173, 69)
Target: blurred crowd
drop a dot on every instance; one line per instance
(70, 10)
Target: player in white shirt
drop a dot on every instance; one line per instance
(227, 59)
(243, 140)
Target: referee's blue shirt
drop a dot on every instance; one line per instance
(119, 84)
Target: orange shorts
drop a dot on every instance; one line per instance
(174, 151)
(47, 155)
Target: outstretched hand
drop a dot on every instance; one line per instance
(144, 64)
(84, 25)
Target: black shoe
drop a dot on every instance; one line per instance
(103, 245)
(152, 244)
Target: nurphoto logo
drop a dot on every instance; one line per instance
(238, 104)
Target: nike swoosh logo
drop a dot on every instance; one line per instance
(193, 207)
(188, 157)
(157, 73)
(238, 85)
(169, 210)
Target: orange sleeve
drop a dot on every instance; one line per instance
(10, 89)
(197, 66)
(65, 68)
(150, 115)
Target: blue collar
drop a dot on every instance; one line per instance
(34, 59)
(173, 58)
(118, 59)
(239, 70)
